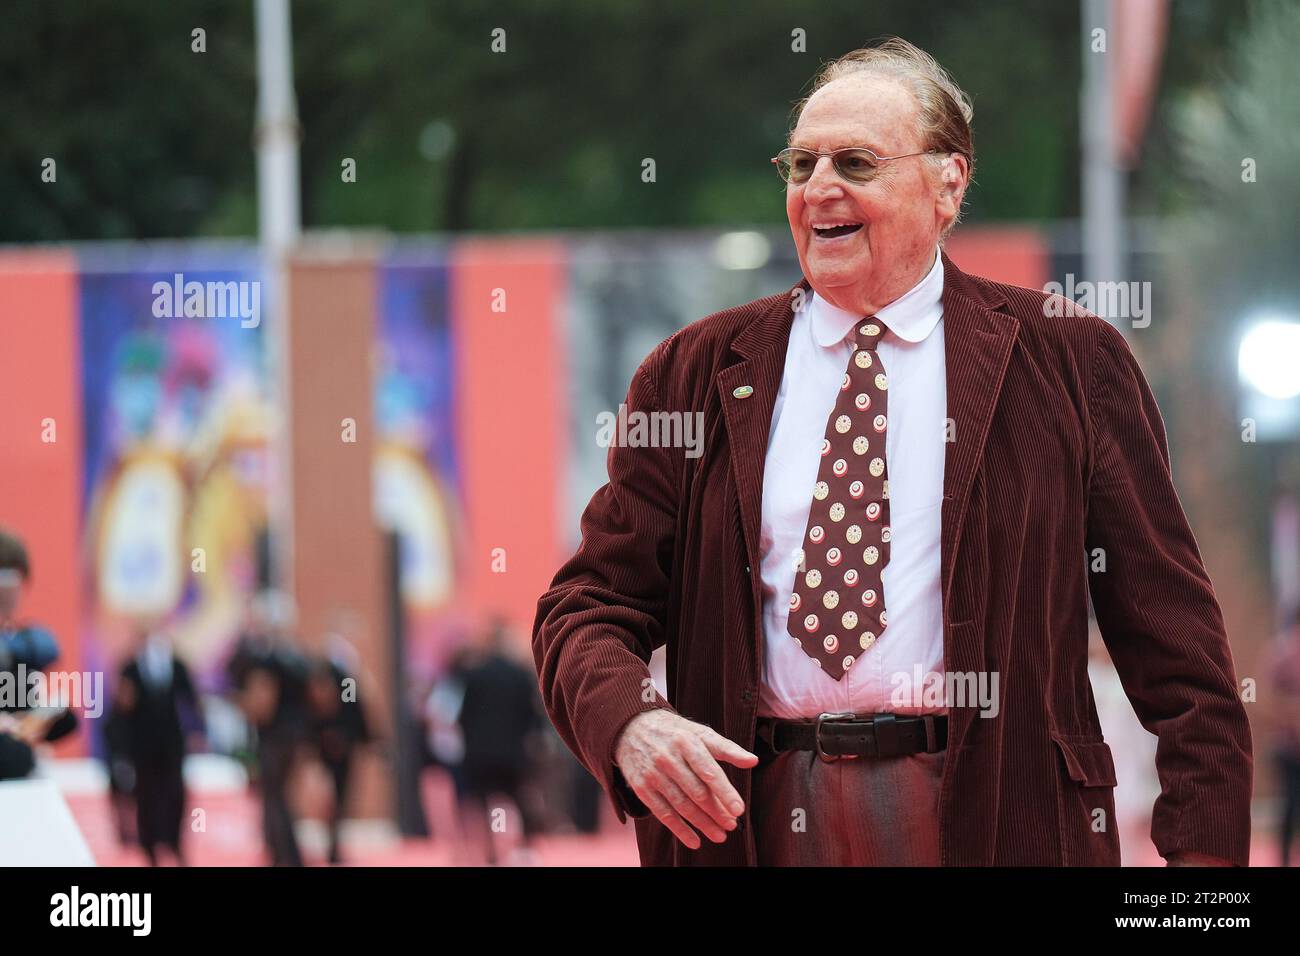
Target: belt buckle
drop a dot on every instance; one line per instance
(817, 735)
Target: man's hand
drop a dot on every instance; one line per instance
(671, 764)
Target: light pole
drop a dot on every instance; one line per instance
(279, 223)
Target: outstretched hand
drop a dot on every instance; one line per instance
(671, 764)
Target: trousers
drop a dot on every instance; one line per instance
(871, 811)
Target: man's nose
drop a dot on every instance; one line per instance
(824, 183)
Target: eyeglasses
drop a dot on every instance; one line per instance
(856, 164)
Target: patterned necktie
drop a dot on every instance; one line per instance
(837, 608)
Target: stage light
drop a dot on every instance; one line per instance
(1268, 359)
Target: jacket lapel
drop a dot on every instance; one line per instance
(978, 341)
(761, 346)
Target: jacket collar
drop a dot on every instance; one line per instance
(772, 326)
(911, 317)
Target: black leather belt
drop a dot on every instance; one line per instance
(847, 736)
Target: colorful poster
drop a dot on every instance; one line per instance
(415, 466)
(177, 420)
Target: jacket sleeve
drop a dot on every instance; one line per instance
(604, 612)
(1160, 619)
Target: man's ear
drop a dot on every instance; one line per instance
(952, 179)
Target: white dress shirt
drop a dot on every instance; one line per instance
(901, 672)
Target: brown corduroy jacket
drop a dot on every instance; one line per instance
(1059, 451)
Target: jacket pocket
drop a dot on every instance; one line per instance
(1085, 802)
(1088, 761)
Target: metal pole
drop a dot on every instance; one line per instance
(1103, 180)
(279, 228)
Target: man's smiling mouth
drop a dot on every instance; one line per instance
(836, 230)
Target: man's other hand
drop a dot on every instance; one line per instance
(671, 764)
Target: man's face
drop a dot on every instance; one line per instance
(901, 211)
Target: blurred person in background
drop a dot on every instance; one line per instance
(500, 716)
(1282, 670)
(119, 766)
(444, 742)
(24, 649)
(269, 675)
(156, 695)
(338, 722)
(1134, 749)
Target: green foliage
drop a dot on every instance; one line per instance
(155, 140)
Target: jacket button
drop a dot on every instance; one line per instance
(747, 695)
(747, 569)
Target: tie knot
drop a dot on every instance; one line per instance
(868, 332)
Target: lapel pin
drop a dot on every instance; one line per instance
(744, 391)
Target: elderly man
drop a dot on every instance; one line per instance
(873, 583)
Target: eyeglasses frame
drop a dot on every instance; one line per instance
(876, 157)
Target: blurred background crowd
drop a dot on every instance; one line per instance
(293, 721)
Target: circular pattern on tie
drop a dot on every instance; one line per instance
(846, 545)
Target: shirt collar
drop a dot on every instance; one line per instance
(911, 316)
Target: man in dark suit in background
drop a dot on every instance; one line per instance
(338, 728)
(156, 695)
(269, 675)
(499, 717)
